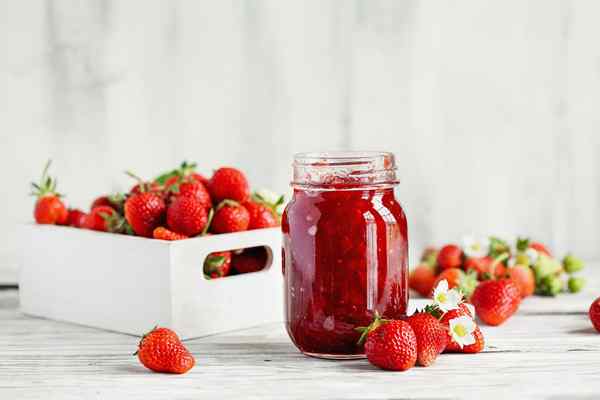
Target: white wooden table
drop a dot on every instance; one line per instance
(548, 350)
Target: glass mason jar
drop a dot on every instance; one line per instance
(345, 250)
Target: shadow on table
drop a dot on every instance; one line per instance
(584, 331)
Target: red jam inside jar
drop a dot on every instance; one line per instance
(345, 250)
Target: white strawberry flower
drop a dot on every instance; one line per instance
(446, 299)
(476, 247)
(461, 330)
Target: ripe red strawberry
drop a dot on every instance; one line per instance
(496, 300)
(144, 212)
(49, 208)
(260, 215)
(252, 259)
(76, 218)
(187, 215)
(162, 351)
(194, 189)
(163, 233)
(540, 247)
(450, 256)
(432, 337)
(98, 218)
(390, 345)
(144, 187)
(457, 278)
(217, 265)
(100, 201)
(478, 264)
(523, 277)
(230, 217)
(454, 347)
(594, 313)
(476, 347)
(229, 183)
(421, 279)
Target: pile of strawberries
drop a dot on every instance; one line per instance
(447, 325)
(495, 274)
(176, 205)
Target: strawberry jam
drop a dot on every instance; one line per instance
(345, 252)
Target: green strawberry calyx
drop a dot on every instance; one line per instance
(365, 330)
(46, 186)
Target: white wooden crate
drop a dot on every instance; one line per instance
(130, 284)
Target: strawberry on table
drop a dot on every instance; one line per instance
(187, 215)
(457, 278)
(160, 350)
(217, 265)
(49, 208)
(450, 256)
(431, 335)
(422, 279)
(523, 277)
(594, 314)
(229, 183)
(390, 344)
(144, 212)
(230, 216)
(496, 300)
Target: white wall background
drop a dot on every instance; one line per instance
(492, 107)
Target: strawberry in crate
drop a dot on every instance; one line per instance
(496, 274)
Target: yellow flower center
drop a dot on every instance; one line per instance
(460, 330)
(441, 298)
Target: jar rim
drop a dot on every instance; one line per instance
(339, 170)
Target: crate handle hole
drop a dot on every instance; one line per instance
(226, 263)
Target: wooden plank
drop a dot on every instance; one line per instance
(548, 349)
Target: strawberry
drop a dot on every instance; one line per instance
(230, 216)
(192, 188)
(457, 278)
(187, 215)
(594, 313)
(161, 351)
(76, 218)
(421, 279)
(144, 212)
(540, 247)
(49, 208)
(100, 201)
(98, 218)
(143, 187)
(496, 300)
(524, 278)
(390, 344)
(114, 201)
(450, 256)
(163, 233)
(476, 347)
(252, 259)
(217, 265)
(260, 215)
(185, 170)
(432, 337)
(478, 264)
(454, 347)
(229, 183)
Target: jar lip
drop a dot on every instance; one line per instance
(343, 157)
(344, 169)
